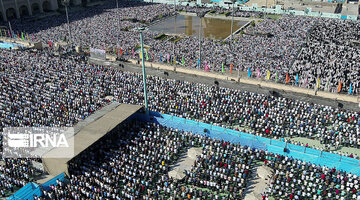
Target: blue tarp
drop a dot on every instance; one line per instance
(349, 165)
(27, 192)
(52, 181)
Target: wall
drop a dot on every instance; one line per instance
(278, 10)
(17, 4)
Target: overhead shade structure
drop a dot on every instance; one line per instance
(87, 136)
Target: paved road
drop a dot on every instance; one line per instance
(235, 85)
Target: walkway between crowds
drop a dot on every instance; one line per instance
(258, 183)
(185, 163)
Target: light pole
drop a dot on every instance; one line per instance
(174, 32)
(66, 4)
(117, 8)
(200, 15)
(11, 32)
(143, 69)
(232, 21)
(174, 5)
(266, 9)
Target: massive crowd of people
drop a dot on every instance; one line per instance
(296, 179)
(331, 54)
(41, 89)
(14, 174)
(272, 45)
(133, 163)
(222, 167)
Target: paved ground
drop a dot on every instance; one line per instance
(217, 16)
(258, 183)
(315, 6)
(261, 3)
(185, 163)
(348, 8)
(241, 86)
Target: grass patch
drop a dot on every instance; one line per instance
(258, 162)
(175, 39)
(211, 12)
(126, 28)
(273, 16)
(134, 20)
(143, 22)
(208, 190)
(252, 23)
(227, 13)
(139, 47)
(161, 36)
